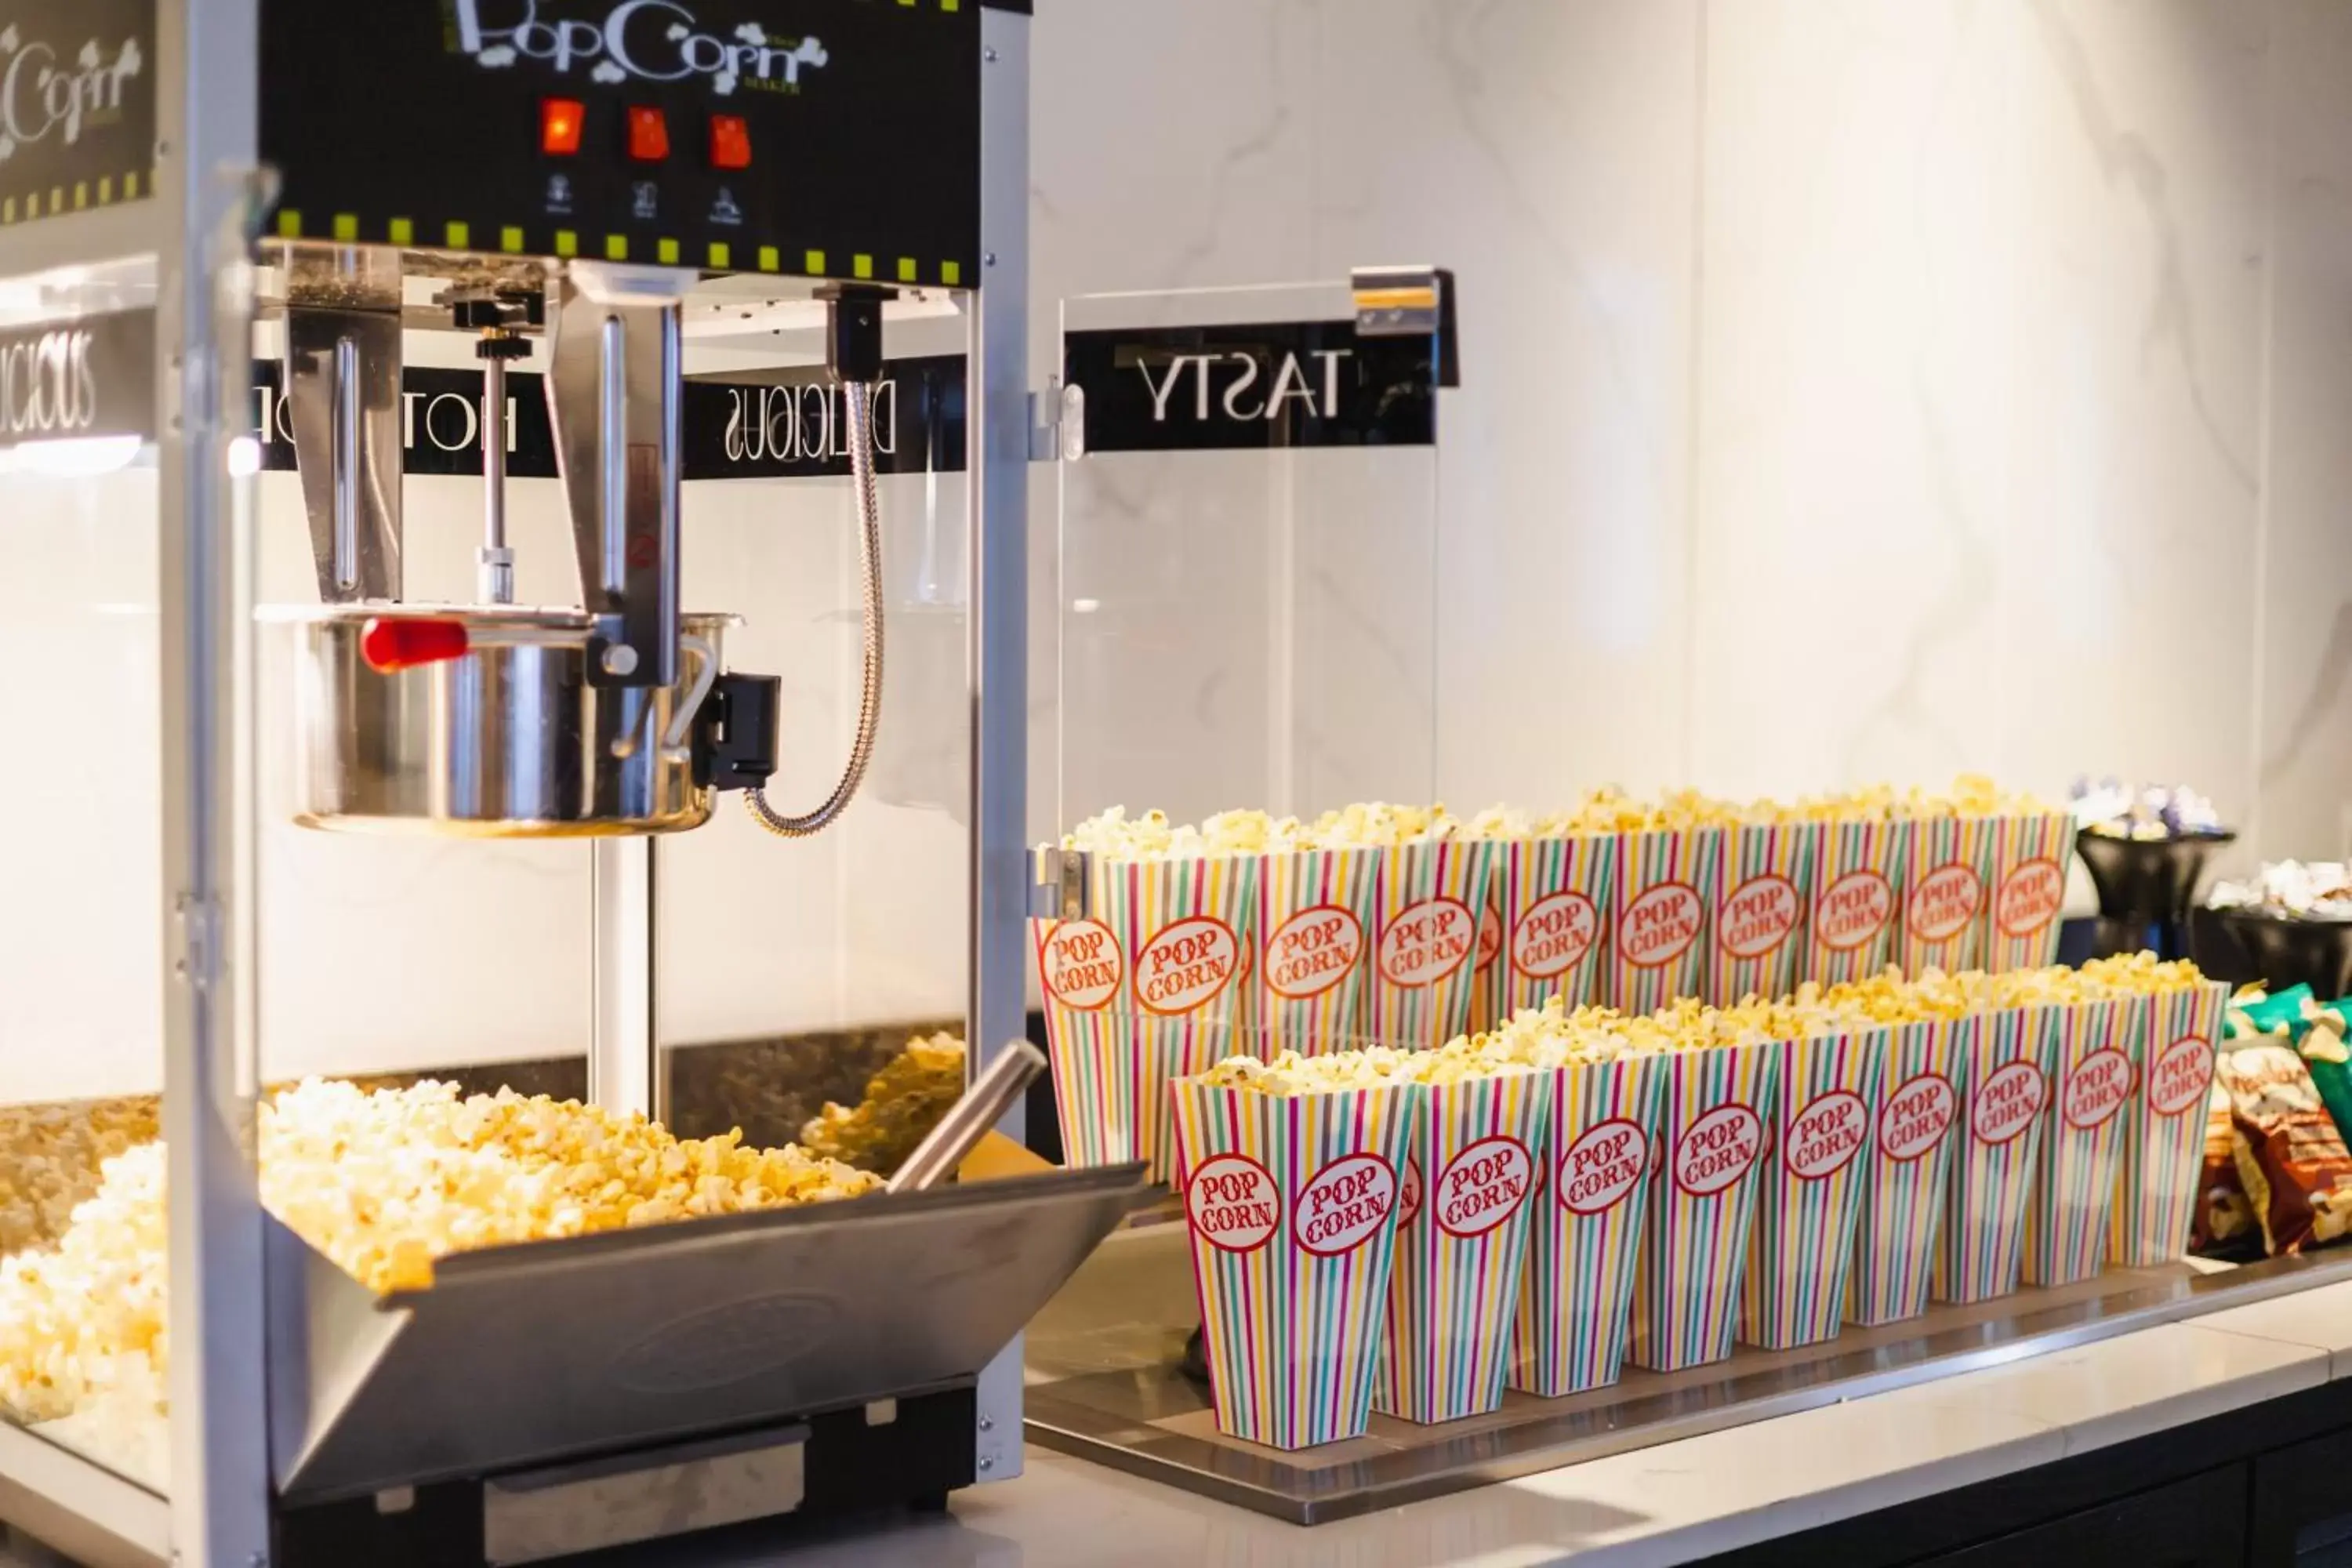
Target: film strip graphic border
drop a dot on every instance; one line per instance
(81, 195)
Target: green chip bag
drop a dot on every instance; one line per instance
(2281, 1012)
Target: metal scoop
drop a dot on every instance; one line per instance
(969, 1119)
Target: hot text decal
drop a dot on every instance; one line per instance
(1186, 964)
(1553, 935)
(1915, 1118)
(1852, 909)
(1602, 1168)
(1824, 1137)
(1312, 951)
(2182, 1076)
(1720, 1148)
(2029, 897)
(1345, 1206)
(1232, 1203)
(1758, 917)
(1424, 943)
(640, 40)
(2097, 1089)
(1660, 925)
(1081, 964)
(1484, 1187)
(2007, 1101)
(1945, 900)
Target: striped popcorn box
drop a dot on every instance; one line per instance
(1312, 921)
(1557, 904)
(1762, 891)
(1942, 888)
(2030, 858)
(1576, 1292)
(2003, 1060)
(1658, 928)
(2100, 1044)
(1491, 978)
(2164, 1127)
(1462, 1241)
(1856, 894)
(1139, 994)
(1426, 944)
(1903, 1180)
(1694, 1236)
(1292, 1202)
(1822, 1114)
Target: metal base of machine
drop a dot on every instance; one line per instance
(1105, 1382)
(910, 1455)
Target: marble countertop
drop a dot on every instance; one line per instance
(1659, 1505)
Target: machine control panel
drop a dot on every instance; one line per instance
(820, 138)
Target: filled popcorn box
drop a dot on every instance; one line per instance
(1139, 994)
(2003, 1058)
(2164, 1124)
(1661, 913)
(1945, 864)
(2029, 859)
(1312, 922)
(1490, 974)
(1903, 1175)
(2099, 1046)
(1576, 1293)
(1461, 1239)
(1553, 896)
(1291, 1181)
(1762, 894)
(1432, 891)
(1693, 1248)
(1857, 892)
(1808, 1193)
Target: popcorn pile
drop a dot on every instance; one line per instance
(2317, 891)
(383, 1184)
(2114, 810)
(49, 1160)
(1151, 837)
(903, 1102)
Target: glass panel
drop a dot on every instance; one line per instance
(794, 972)
(82, 1293)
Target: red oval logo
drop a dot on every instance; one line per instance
(1484, 1187)
(1345, 1206)
(1758, 917)
(1945, 901)
(2097, 1089)
(2007, 1101)
(2183, 1076)
(1660, 926)
(1719, 1148)
(1826, 1135)
(1490, 937)
(1602, 1169)
(1312, 951)
(1554, 935)
(1186, 966)
(1426, 942)
(1852, 909)
(1080, 964)
(1915, 1118)
(1409, 1200)
(1232, 1203)
(2030, 897)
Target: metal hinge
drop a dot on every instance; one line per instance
(1057, 884)
(197, 926)
(1058, 424)
(1410, 302)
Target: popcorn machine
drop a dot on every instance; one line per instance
(621, 200)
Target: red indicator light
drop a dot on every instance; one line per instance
(731, 142)
(404, 643)
(648, 135)
(559, 125)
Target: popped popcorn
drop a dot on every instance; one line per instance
(2317, 891)
(903, 1102)
(2112, 810)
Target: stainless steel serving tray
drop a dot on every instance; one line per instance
(520, 1355)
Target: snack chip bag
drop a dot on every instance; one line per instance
(2293, 1161)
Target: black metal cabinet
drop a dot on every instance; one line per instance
(2197, 1523)
(2301, 1512)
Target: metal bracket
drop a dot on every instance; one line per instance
(1058, 879)
(1045, 424)
(1410, 302)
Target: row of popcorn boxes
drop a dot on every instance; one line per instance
(1413, 1233)
(1182, 962)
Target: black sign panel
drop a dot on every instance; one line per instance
(791, 427)
(77, 105)
(832, 138)
(71, 380)
(1293, 383)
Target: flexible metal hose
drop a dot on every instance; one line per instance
(859, 397)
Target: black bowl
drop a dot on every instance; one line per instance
(2147, 879)
(2289, 951)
